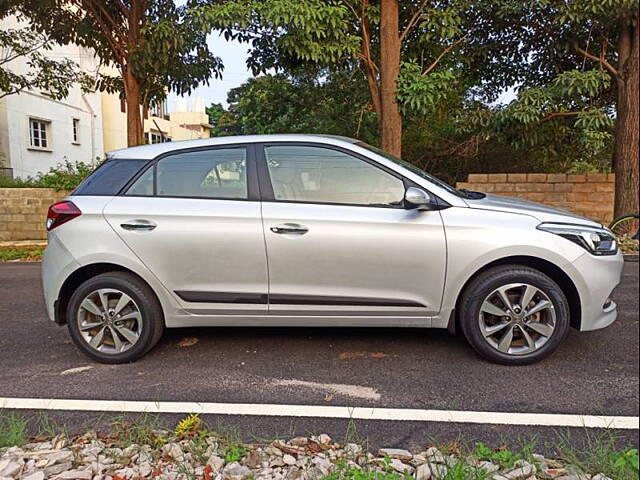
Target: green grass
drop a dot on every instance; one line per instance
(13, 429)
(26, 253)
(600, 454)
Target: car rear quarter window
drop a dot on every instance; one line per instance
(110, 177)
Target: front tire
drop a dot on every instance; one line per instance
(514, 315)
(114, 318)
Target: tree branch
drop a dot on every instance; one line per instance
(414, 20)
(602, 61)
(444, 52)
(556, 114)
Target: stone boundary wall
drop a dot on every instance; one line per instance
(23, 212)
(590, 195)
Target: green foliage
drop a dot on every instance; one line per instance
(64, 176)
(22, 253)
(234, 453)
(54, 77)
(504, 457)
(166, 27)
(600, 453)
(13, 429)
(348, 472)
(420, 93)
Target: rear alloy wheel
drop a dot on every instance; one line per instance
(114, 318)
(514, 315)
(109, 321)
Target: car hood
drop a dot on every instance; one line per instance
(524, 207)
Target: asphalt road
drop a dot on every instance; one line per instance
(591, 373)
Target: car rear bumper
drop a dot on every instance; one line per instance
(596, 278)
(57, 265)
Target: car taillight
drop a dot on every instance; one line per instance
(60, 213)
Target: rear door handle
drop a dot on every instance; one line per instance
(138, 225)
(291, 228)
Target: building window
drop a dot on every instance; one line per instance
(38, 133)
(155, 137)
(76, 130)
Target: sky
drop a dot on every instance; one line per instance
(234, 56)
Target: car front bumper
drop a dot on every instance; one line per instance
(595, 278)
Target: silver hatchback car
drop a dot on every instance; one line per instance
(305, 230)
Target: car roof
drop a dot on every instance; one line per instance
(152, 151)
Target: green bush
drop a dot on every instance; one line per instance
(64, 176)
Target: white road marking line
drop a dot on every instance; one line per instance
(318, 411)
(355, 391)
(76, 370)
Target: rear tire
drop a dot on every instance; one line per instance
(506, 334)
(115, 318)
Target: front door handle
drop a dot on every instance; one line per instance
(291, 228)
(138, 225)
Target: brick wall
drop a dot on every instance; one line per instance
(23, 212)
(589, 195)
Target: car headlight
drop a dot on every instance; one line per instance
(596, 240)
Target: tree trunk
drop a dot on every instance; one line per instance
(626, 161)
(133, 99)
(391, 121)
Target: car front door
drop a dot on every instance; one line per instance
(194, 220)
(339, 240)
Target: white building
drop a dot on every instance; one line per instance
(37, 132)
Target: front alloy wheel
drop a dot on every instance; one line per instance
(514, 314)
(517, 319)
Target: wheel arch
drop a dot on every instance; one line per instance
(557, 274)
(83, 274)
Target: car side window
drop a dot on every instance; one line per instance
(323, 175)
(217, 173)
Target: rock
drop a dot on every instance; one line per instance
(324, 439)
(289, 459)
(418, 459)
(438, 470)
(273, 451)
(75, 475)
(400, 467)
(498, 477)
(34, 476)
(277, 462)
(299, 441)
(57, 469)
(145, 469)
(433, 455)
(423, 472)
(254, 459)
(314, 473)
(173, 450)
(10, 468)
(352, 450)
(554, 472)
(235, 471)
(61, 456)
(488, 467)
(398, 453)
(216, 463)
(521, 473)
(600, 476)
(577, 476)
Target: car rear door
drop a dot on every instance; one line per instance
(194, 219)
(339, 240)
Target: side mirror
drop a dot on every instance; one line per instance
(418, 198)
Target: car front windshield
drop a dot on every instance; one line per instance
(412, 168)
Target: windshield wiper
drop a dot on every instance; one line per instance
(471, 195)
